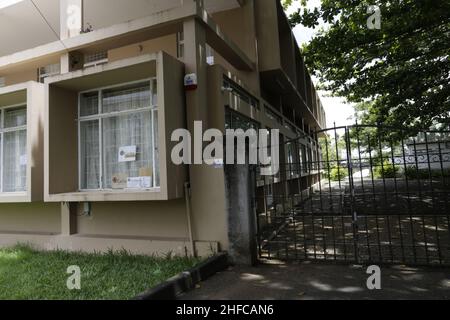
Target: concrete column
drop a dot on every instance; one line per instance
(71, 18)
(240, 192)
(65, 63)
(195, 61)
(209, 217)
(68, 218)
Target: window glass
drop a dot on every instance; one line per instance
(154, 93)
(118, 148)
(14, 161)
(89, 104)
(293, 159)
(15, 117)
(130, 130)
(304, 158)
(127, 98)
(90, 155)
(13, 141)
(156, 137)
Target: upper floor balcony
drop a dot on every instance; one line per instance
(283, 71)
(37, 51)
(62, 25)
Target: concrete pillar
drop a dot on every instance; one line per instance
(209, 219)
(240, 193)
(195, 61)
(68, 218)
(65, 63)
(71, 18)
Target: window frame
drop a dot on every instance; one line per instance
(180, 45)
(42, 75)
(4, 130)
(100, 116)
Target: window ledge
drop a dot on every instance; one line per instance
(14, 197)
(108, 195)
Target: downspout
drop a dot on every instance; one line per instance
(187, 196)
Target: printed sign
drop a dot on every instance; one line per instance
(140, 183)
(127, 154)
(134, 183)
(146, 182)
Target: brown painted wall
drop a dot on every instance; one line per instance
(23, 76)
(63, 156)
(30, 218)
(239, 25)
(159, 219)
(167, 44)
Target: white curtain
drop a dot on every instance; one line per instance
(156, 147)
(15, 151)
(129, 129)
(123, 131)
(90, 155)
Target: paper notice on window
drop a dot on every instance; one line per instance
(134, 183)
(146, 182)
(119, 181)
(127, 154)
(23, 160)
(140, 183)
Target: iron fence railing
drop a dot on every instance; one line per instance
(366, 194)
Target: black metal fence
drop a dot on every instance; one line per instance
(359, 194)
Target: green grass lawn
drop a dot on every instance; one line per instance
(29, 274)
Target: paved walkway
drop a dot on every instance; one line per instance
(314, 281)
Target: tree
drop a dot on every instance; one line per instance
(400, 73)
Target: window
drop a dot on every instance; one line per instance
(310, 160)
(2, 82)
(13, 146)
(96, 58)
(209, 55)
(48, 71)
(234, 121)
(118, 143)
(273, 116)
(303, 158)
(293, 159)
(240, 94)
(180, 45)
(290, 127)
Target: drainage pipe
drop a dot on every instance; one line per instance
(187, 196)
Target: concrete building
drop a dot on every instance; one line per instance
(89, 98)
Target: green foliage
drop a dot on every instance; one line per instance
(402, 68)
(337, 173)
(32, 275)
(385, 171)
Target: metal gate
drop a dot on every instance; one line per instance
(358, 194)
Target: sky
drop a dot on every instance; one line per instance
(337, 109)
(7, 3)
